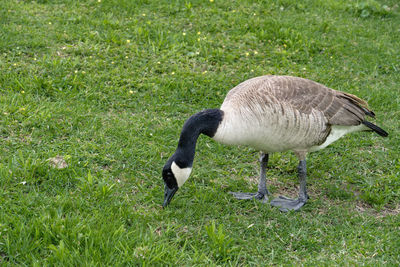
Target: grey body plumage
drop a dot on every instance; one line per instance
(274, 114)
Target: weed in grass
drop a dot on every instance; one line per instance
(370, 7)
(220, 243)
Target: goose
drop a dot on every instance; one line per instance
(271, 114)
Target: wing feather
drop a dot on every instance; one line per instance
(339, 108)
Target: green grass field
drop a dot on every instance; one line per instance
(105, 87)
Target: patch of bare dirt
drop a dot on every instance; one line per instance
(363, 207)
(58, 162)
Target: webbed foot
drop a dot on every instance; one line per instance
(259, 196)
(285, 204)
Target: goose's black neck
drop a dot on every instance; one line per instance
(205, 122)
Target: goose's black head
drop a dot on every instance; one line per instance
(174, 174)
(171, 185)
(178, 167)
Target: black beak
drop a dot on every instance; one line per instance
(169, 194)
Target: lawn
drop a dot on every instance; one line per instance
(93, 95)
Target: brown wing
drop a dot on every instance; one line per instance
(339, 108)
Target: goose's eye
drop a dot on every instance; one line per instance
(169, 179)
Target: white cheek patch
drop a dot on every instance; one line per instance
(181, 175)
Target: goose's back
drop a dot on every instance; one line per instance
(278, 113)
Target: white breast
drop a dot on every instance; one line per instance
(271, 129)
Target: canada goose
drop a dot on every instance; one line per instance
(271, 114)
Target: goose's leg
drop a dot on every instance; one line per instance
(286, 204)
(262, 193)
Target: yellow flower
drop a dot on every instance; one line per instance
(130, 91)
(247, 54)
(128, 41)
(184, 33)
(211, 1)
(198, 33)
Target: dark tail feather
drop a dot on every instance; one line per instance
(375, 128)
(369, 112)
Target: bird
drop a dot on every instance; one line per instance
(271, 114)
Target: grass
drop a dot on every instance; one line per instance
(106, 86)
